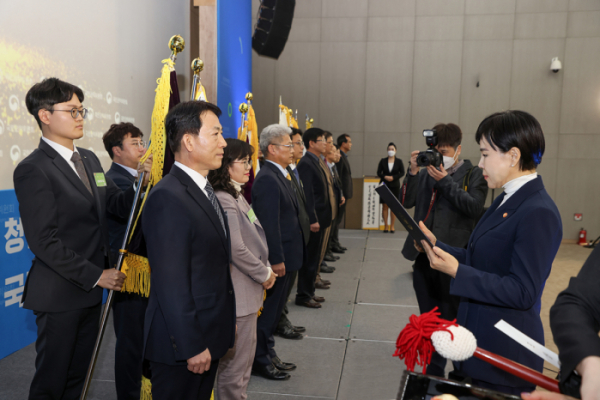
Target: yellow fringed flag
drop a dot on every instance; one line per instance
(135, 263)
(309, 122)
(252, 129)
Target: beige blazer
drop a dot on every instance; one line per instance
(249, 253)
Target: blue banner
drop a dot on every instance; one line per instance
(17, 325)
(234, 60)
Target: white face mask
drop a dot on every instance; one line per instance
(449, 161)
(391, 153)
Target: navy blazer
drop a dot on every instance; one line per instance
(191, 305)
(502, 274)
(276, 206)
(116, 224)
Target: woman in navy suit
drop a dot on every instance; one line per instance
(502, 272)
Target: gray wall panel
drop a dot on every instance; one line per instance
(436, 84)
(484, 62)
(580, 111)
(449, 27)
(440, 7)
(377, 143)
(584, 5)
(584, 24)
(345, 8)
(537, 6)
(305, 30)
(490, 7)
(308, 9)
(392, 8)
(489, 27)
(342, 88)
(293, 71)
(534, 88)
(344, 29)
(389, 87)
(263, 90)
(541, 26)
(578, 147)
(391, 29)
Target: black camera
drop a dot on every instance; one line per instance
(430, 156)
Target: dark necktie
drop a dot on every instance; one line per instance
(80, 168)
(215, 203)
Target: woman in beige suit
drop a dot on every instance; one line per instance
(250, 271)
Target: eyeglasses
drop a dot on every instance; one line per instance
(321, 140)
(299, 143)
(75, 112)
(289, 146)
(246, 163)
(140, 144)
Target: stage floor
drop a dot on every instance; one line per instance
(347, 351)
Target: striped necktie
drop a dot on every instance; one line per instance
(215, 203)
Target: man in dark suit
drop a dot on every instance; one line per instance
(344, 142)
(276, 206)
(331, 159)
(190, 319)
(64, 198)
(319, 210)
(125, 146)
(285, 328)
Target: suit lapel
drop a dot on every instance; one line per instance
(199, 197)
(122, 171)
(286, 184)
(66, 169)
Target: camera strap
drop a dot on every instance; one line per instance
(433, 195)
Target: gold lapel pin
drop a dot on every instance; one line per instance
(505, 215)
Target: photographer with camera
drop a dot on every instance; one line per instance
(448, 195)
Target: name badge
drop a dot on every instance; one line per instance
(251, 215)
(100, 179)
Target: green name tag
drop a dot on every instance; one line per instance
(251, 215)
(100, 179)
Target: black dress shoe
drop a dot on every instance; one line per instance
(323, 263)
(309, 304)
(326, 282)
(343, 248)
(327, 269)
(270, 372)
(330, 258)
(318, 299)
(330, 254)
(338, 250)
(283, 366)
(289, 333)
(299, 329)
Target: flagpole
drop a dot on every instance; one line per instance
(109, 299)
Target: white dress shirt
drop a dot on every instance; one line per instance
(64, 152)
(283, 170)
(196, 176)
(512, 186)
(132, 171)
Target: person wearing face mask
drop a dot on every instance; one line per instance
(502, 272)
(448, 199)
(390, 170)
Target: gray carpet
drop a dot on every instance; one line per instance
(347, 351)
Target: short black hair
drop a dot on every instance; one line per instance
(327, 135)
(392, 144)
(513, 128)
(47, 93)
(116, 133)
(295, 131)
(343, 138)
(448, 135)
(220, 178)
(185, 118)
(311, 135)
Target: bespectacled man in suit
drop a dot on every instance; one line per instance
(190, 319)
(64, 198)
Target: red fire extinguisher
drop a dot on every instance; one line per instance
(582, 237)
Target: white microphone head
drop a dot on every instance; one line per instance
(460, 349)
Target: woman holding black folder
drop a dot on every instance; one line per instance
(390, 170)
(502, 272)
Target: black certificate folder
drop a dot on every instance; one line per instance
(403, 216)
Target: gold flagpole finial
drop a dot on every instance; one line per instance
(249, 96)
(197, 89)
(176, 44)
